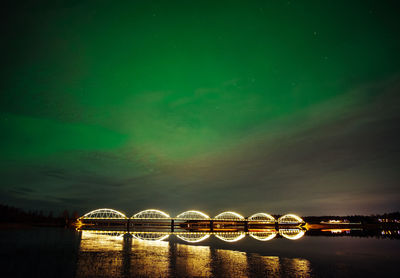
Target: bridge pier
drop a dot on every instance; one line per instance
(211, 225)
(172, 225)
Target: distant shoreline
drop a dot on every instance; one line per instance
(22, 225)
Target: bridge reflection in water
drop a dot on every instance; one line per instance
(113, 255)
(195, 237)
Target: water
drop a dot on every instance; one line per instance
(54, 252)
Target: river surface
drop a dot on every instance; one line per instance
(56, 252)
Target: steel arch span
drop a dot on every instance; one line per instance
(104, 213)
(192, 215)
(151, 214)
(229, 215)
(262, 217)
(290, 219)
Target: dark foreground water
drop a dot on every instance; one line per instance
(53, 252)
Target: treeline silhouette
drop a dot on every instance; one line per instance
(10, 214)
(364, 219)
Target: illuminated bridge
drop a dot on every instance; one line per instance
(188, 221)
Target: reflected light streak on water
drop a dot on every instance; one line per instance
(193, 261)
(105, 255)
(232, 262)
(100, 255)
(62, 253)
(148, 258)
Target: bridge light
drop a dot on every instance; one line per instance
(151, 214)
(103, 213)
(290, 219)
(261, 216)
(193, 215)
(229, 215)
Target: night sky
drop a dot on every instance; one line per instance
(273, 106)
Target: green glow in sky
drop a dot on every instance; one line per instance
(142, 97)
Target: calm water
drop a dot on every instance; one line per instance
(51, 252)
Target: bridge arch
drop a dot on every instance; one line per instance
(229, 215)
(151, 214)
(261, 216)
(192, 215)
(104, 213)
(290, 219)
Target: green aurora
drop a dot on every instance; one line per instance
(252, 106)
